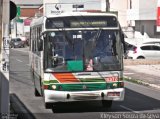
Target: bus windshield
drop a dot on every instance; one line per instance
(82, 50)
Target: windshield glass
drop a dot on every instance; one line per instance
(83, 50)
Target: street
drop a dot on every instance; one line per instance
(138, 99)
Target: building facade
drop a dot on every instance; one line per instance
(30, 7)
(142, 15)
(121, 7)
(20, 26)
(136, 15)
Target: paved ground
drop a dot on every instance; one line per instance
(145, 74)
(138, 99)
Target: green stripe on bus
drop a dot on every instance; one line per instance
(85, 86)
(79, 87)
(91, 80)
(99, 84)
(51, 81)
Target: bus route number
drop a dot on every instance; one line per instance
(111, 79)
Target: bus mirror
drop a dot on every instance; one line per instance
(58, 60)
(40, 45)
(123, 42)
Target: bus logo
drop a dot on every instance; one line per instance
(57, 6)
(84, 87)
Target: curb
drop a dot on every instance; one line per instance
(137, 81)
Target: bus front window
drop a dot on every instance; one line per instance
(103, 51)
(98, 48)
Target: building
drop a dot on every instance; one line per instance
(27, 9)
(121, 7)
(53, 7)
(4, 59)
(142, 16)
(133, 15)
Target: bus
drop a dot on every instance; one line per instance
(77, 57)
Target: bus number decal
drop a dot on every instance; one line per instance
(111, 79)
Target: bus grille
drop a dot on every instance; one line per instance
(85, 87)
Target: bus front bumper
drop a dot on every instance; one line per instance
(52, 96)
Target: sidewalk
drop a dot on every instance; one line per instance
(148, 75)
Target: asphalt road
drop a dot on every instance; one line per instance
(138, 99)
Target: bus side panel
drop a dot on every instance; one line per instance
(37, 73)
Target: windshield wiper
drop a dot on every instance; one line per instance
(97, 35)
(91, 45)
(94, 39)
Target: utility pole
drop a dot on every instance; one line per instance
(1, 2)
(107, 6)
(4, 58)
(158, 16)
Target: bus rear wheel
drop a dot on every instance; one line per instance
(107, 103)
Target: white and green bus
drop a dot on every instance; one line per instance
(77, 57)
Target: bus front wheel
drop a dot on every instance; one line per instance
(107, 103)
(48, 105)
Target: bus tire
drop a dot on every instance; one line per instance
(48, 105)
(107, 103)
(36, 93)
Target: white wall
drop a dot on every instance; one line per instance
(20, 29)
(67, 6)
(142, 10)
(148, 9)
(133, 13)
(115, 5)
(121, 7)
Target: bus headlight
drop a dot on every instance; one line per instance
(114, 85)
(53, 87)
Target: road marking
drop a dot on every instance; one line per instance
(19, 60)
(129, 109)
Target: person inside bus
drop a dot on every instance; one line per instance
(102, 47)
(105, 50)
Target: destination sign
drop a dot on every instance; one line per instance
(81, 22)
(88, 23)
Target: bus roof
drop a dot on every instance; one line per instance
(38, 21)
(83, 14)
